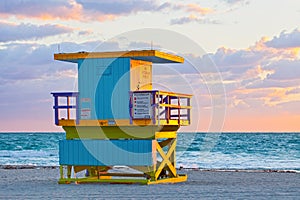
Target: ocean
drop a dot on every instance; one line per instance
(226, 151)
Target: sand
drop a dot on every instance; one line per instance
(41, 183)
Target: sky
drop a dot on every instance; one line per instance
(246, 54)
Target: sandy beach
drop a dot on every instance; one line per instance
(41, 183)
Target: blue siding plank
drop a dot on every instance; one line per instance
(105, 152)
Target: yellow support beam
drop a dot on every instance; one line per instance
(175, 106)
(178, 179)
(135, 122)
(174, 94)
(166, 134)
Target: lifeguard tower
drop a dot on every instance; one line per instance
(117, 119)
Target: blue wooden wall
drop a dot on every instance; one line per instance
(106, 83)
(105, 152)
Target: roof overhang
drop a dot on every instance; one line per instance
(153, 56)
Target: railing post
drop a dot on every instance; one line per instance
(153, 105)
(68, 107)
(157, 101)
(130, 107)
(189, 110)
(178, 98)
(77, 108)
(56, 109)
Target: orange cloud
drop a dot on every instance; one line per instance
(286, 46)
(198, 9)
(75, 9)
(269, 97)
(48, 10)
(194, 10)
(98, 10)
(295, 52)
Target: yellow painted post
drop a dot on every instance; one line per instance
(61, 169)
(68, 109)
(69, 170)
(173, 155)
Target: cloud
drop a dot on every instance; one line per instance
(258, 77)
(43, 10)
(253, 74)
(14, 32)
(32, 61)
(293, 91)
(76, 9)
(29, 62)
(90, 10)
(194, 11)
(84, 33)
(237, 58)
(290, 107)
(193, 18)
(271, 83)
(235, 1)
(193, 8)
(270, 62)
(28, 74)
(117, 7)
(286, 40)
(285, 70)
(198, 9)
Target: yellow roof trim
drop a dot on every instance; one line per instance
(147, 55)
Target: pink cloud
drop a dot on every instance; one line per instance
(259, 79)
(42, 10)
(194, 11)
(76, 9)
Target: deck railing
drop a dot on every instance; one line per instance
(163, 106)
(173, 106)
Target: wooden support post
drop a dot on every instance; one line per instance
(69, 171)
(68, 107)
(98, 172)
(61, 170)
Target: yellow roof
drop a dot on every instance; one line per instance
(146, 55)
